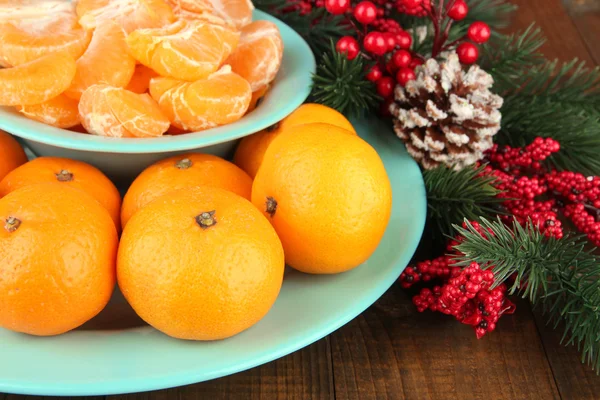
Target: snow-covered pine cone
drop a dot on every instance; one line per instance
(447, 115)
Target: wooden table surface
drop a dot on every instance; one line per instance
(393, 352)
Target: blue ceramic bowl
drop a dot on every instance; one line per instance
(123, 159)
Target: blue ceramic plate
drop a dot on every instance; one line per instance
(111, 355)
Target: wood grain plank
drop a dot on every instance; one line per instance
(20, 397)
(573, 379)
(563, 37)
(586, 17)
(393, 352)
(305, 374)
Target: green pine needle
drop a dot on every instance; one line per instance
(341, 84)
(506, 58)
(561, 103)
(452, 196)
(560, 274)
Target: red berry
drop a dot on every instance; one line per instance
(415, 62)
(374, 73)
(467, 53)
(365, 12)
(391, 68)
(459, 10)
(337, 7)
(402, 58)
(385, 108)
(375, 43)
(390, 41)
(405, 75)
(385, 87)
(348, 45)
(479, 32)
(404, 40)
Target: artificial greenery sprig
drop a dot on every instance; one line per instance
(559, 274)
(340, 84)
(455, 195)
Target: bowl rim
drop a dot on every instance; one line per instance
(31, 130)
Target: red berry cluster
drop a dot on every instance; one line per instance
(520, 176)
(580, 197)
(465, 293)
(418, 8)
(382, 40)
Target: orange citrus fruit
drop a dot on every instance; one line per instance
(251, 150)
(106, 61)
(180, 172)
(129, 14)
(72, 173)
(186, 50)
(37, 81)
(220, 99)
(258, 55)
(237, 13)
(31, 29)
(11, 154)
(60, 111)
(200, 264)
(108, 111)
(58, 248)
(140, 81)
(328, 196)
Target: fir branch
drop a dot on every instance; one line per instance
(495, 13)
(507, 58)
(454, 195)
(341, 84)
(563, 104)
(559, 274)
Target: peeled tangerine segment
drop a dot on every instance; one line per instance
(109, 111)
(37, 81)
(258, 55)
(61, 112)
(187, 50)
(106, 60)
(129, 14)
(220, 99)
(140, 81)
(237, 13)
(33, 28)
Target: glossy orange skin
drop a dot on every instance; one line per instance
(333, 197)
(199, 283)
(58, 266)
(251, 150)
(11, 154)
(165, 176)
(84, 177)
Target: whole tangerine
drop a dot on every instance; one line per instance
(67, 172)
(327, 195)
(58, 248)
(251, 150)
(11, 154)
(180, 172)
(200, 264)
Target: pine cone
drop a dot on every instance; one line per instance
(446, 115)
